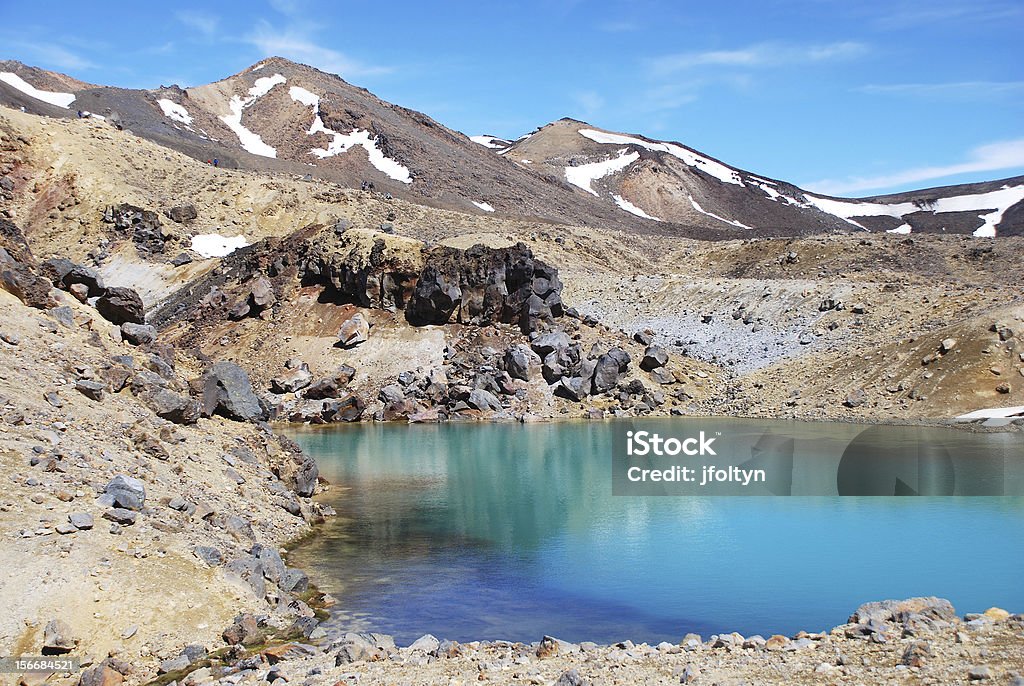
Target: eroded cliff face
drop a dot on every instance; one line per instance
(479, 286)
(434, 285)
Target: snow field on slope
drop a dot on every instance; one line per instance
(996, 202)
(59, 99)
(585, 174)
(342, 142)
(250, 141)
(705, 164)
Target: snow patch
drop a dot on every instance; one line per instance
(631, 208)
(173, 110)
(300, 94)
(486, 207)
(715, 216)
(489, 141)
(59, 99)
(526, 161)
(705, 164)
(995, 202)
(342, 142)
(215, 245)
(259, 66)
(585, 174)
(902, 229)
(250, 141)
(994, 413)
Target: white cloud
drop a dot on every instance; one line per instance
(985, 158)
(958, 89)
(297, 44)
(203, 22)
(759, 55)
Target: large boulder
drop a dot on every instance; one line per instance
(138, 334)
(259, 299)
(570, 388)
(654, 356)
(31, 289)
(519, 360)
(121, 305)
(330, 386)
(228, 391)
(64, 274)
(292, 380)
(173, 407)
(126, 492)
(182, 213)
(549, 342)
(57, 638)
(306, 476)
(354, 331)
(485, 401)
(606, 374)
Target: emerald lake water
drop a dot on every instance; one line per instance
(507, 531)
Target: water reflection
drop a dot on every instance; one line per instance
(508, 531)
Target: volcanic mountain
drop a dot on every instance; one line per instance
(280, 116)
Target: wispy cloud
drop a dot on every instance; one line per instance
(51, 55)
(589, 103)
(915, 13)
(203, 22)
(985, 158)
(297, 43)
(757, 56)
(952, 90)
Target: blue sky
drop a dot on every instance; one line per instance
(852, 98)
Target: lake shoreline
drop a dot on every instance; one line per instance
(918, 640)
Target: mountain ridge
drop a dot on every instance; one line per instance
(281, 116)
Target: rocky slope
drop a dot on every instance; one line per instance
(777, 327)
(139, 517)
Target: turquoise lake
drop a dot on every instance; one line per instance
(508, 531)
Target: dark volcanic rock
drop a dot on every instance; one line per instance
(65, 274)
(518, 361)
(228, 391)
(142, 226)
(91, 389)
(138, 334)
(305, 478)
(570, 388)
(655, 356)
(172, 406)
(182, 213)
(19, 280)
(330, 386)
(606, 374)
(126, 492)
(483, 286)
(120, 305)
